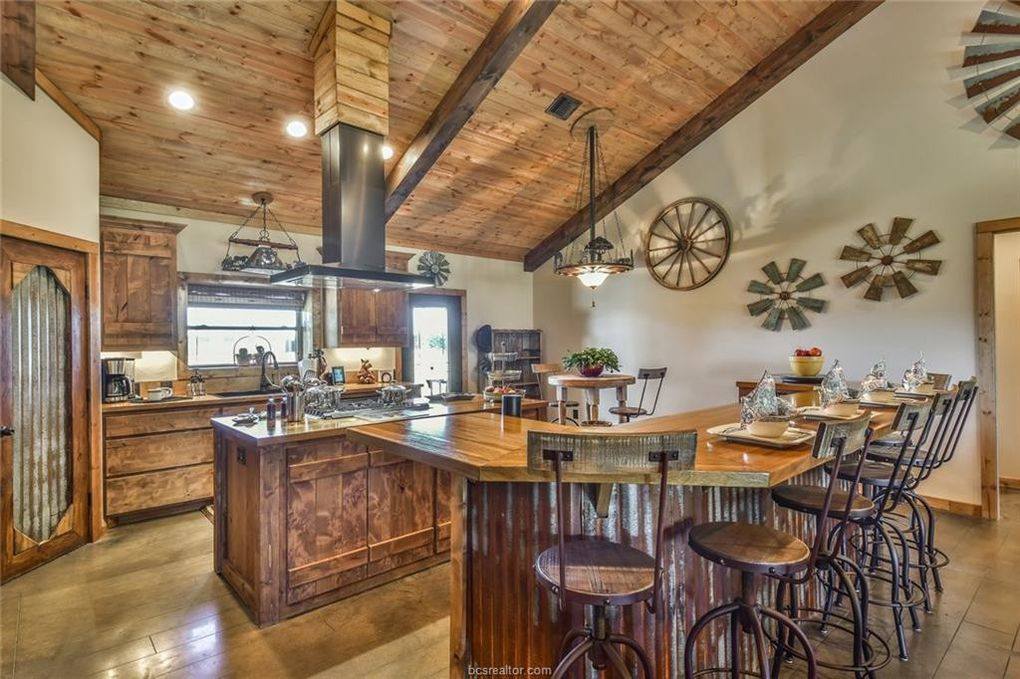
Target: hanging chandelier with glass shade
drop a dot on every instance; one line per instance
(600, 257)
(265, 258)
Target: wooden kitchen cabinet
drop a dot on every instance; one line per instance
(159, 460)
(139, 284)
(401, 496)
(373, 319)
(327, 517)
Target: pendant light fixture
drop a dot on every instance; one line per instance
(265, 258)
(600, 257)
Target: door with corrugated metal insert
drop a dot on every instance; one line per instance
(44, 404)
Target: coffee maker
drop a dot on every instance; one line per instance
(118, 379)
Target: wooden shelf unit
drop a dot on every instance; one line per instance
(527, 344)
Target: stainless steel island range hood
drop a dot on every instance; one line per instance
(353, 218)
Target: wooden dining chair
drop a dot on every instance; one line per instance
(646, 375)
(595, 572)
(542, 372)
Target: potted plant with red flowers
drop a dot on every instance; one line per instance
(591, 361)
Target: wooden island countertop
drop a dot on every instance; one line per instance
(487, 447)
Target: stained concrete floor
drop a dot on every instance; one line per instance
(144, 602)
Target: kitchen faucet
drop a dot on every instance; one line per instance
(264, 383)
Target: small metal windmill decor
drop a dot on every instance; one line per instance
(434, 264)
(785, 296)
(889, 260)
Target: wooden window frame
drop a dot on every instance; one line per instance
(308, 323)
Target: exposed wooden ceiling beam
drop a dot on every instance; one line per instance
(511, 33)
(68, 106)
(828, 25)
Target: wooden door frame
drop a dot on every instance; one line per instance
(451, 292)
(90, 249)
(984, 310)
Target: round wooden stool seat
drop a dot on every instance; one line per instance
(628, 411)
(811, 500)
(873, 473)
(749, 547)
(599, 572)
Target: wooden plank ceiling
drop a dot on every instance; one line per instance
(507, 180)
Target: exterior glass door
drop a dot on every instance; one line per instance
(436, 354)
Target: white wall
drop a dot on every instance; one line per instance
(498, 292)
(49, 166)
(1007, 351)
(871, 128)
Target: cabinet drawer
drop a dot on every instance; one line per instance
(159, 489)
(129, 424)
(158, 451)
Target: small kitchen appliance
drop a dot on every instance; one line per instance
(118, 379)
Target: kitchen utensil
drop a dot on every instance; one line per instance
(159, 393)
(393, 394)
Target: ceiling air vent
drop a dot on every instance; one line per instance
(563, 106)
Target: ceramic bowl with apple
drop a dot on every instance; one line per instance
(807, 362)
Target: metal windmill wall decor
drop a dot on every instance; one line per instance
(991, 77)
(434, 264)
(889, 260)
(785, 296)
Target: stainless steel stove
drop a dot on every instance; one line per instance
(370, 409)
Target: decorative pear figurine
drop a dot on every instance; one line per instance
(365, 375)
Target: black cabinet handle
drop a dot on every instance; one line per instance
(6, 431)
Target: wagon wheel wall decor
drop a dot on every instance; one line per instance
(992, 82)
(687, 244)
(890, 259)
(785, 296)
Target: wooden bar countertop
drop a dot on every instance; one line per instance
(488, 447)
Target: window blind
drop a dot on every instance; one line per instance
(238, 295)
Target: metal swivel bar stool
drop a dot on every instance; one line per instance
(879, 531)
(953, 410)
(596, 572)
(757, 550)
(646, 375)
(541, 370)
(831, 567)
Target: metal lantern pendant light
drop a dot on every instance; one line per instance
(600, 257)
(265, 258)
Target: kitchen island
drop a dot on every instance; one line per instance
(304, 516)
(502, 515)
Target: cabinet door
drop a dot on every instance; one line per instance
(400, 512)
(139, 273)
(326, 517)
(391, 322)
(357, 317)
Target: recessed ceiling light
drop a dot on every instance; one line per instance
(387, 152)
(181, 100)
(296, 128)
